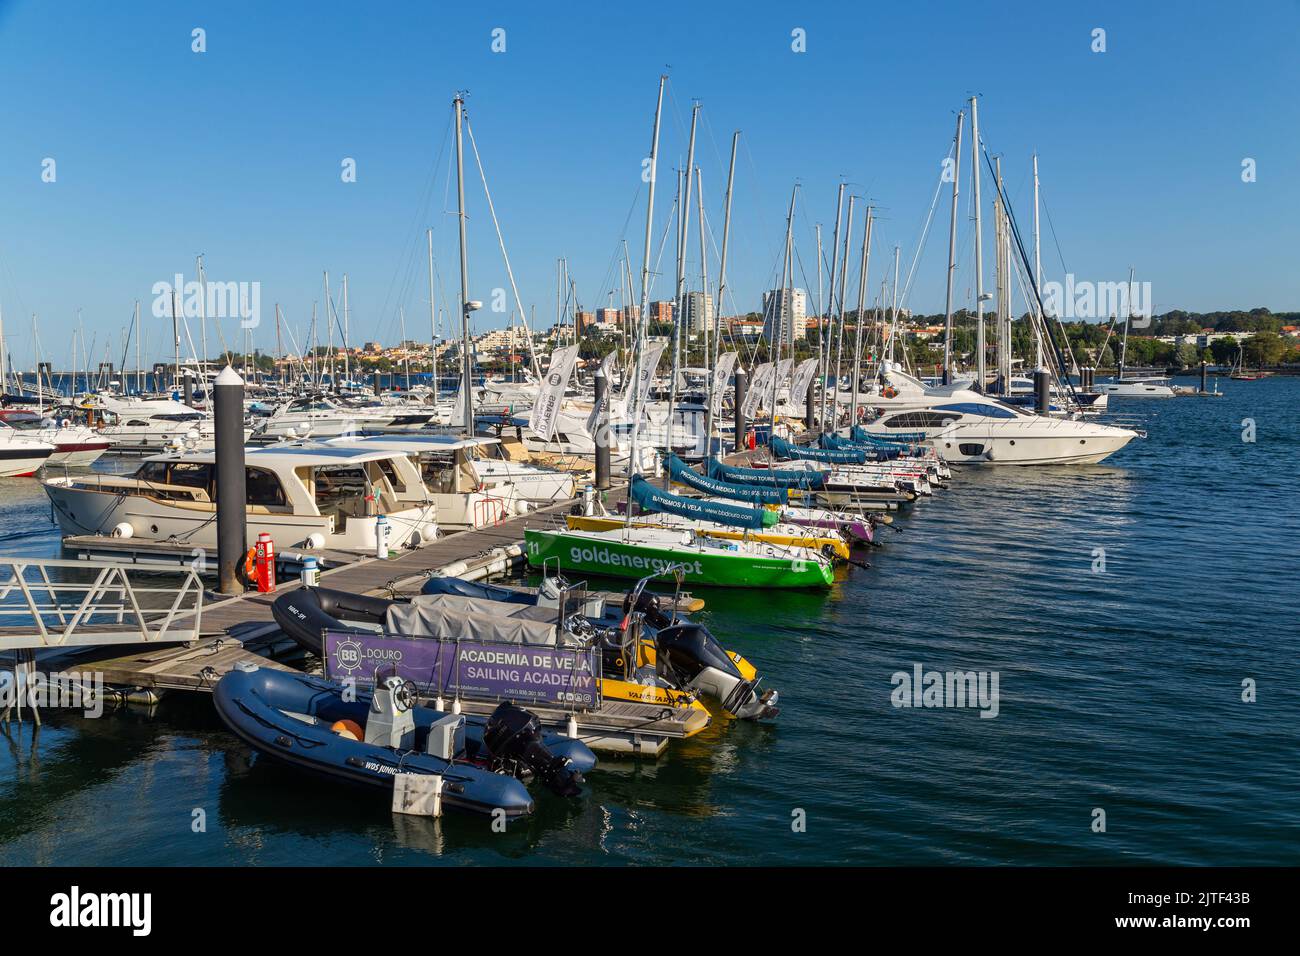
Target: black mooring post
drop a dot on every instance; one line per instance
(742, 386)
(187, 387)
(809, 407)
(1043, 391)
(378, 390)
(232, 495)
(1204, 367)
(602, 432)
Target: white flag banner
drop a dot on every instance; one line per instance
(459, 411)
(803, 377)
(783, 371)
(606, 367)
(721, 373)
(645, 371)
(759, 382)
(546, 411)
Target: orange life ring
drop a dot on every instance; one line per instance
(889, 392)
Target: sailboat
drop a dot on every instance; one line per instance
(697, 556)
(712, 519)
(1122, 386)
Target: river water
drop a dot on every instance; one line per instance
(1125, 609)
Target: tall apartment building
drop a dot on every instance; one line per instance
(781, 309)
(699, 314)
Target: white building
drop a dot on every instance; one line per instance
(699, 314)
(781, 308)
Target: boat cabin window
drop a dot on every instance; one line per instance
(389, 472)
(191, 474)
(979, 408)
(920, 420)
(264, 488)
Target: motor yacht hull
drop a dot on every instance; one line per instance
(81, 508)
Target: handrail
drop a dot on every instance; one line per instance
(109, 609)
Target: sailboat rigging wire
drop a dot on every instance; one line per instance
(510, 273)
(414, 244)
(1059, 371)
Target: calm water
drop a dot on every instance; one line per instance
(1118, 690)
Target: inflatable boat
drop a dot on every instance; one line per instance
(305, 722)
(692, 661)
(670, 644)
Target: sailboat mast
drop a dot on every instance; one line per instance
(634, 407)
(857, 326)
(1038, 278)
(722, 284)
(467, 355)
(139, 369)
(684, 209)
(952, 252)
(347, 367)
(433, 320)
(705, 300)
(979, 244)
(787, 309)
(823, 340)
(839, 342)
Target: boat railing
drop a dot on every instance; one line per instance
(55, 603)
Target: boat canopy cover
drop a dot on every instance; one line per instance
(683, 473)
(784, 449)
(650, 498)
(873, 452)
(452, 617)
(769, 477)
(901, 440)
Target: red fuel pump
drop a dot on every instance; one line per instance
(264, 561)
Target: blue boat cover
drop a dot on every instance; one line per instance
(769, 477)
(684, 474)
(786, 451)
(873, 452)
(902, 439)
(650, 498)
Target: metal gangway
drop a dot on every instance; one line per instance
(49, 603)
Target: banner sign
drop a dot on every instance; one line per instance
(593, 420)
(547, 410)
(472, 670)
(803, 377)
(721, 375)
(759, 383)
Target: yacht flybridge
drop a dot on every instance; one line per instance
(312, 497)
(465, 465)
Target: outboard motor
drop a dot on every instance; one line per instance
(694, 655)
(514, 736)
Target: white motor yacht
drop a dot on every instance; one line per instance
(967, 427)
(73, 444)
(21, 456)
(128, 422)
(471, 489)
(305, 496)
(325, 416)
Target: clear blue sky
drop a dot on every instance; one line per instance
(235, 153)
